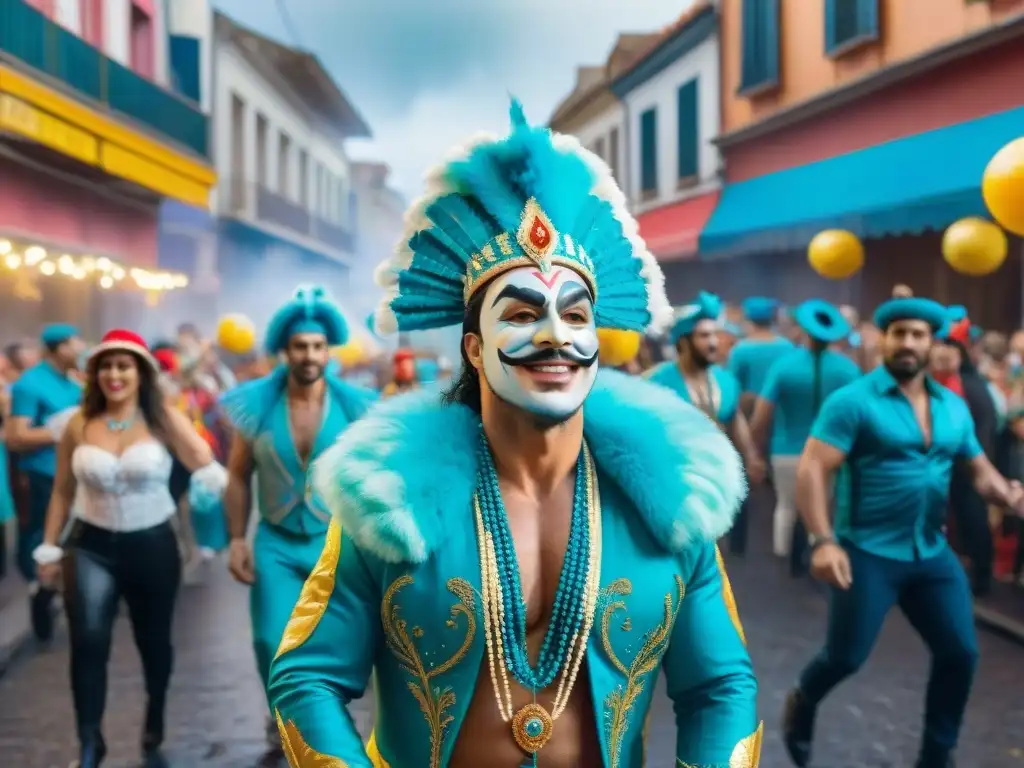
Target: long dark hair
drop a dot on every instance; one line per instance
(151, 399)
(466, 388)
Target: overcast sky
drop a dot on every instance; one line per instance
(426, 74)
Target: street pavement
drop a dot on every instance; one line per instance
(217, 711)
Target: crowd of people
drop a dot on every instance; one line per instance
(415, 539)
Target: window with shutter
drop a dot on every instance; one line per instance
(688, 132)
(849, 23)
(649, 154)
(760, 49)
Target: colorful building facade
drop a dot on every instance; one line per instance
(93, 138)
(874, 116)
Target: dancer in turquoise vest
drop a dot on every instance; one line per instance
(698, 379)
(456, 512)
(282, 423)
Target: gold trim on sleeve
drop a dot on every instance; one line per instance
(298, 752)
(748, 752)
(373, 752)
(316, 593)
(727, 595)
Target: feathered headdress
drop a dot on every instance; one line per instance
(311, 310)
(534, 198)
(707, 306)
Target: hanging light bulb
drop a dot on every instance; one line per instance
(12, 261)
(34, 255)
(5, 247)
(48, 268)
(106, 282)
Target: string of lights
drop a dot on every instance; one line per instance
(106, 272)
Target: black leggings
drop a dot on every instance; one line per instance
(101, 567)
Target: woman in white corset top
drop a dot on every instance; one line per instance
(114, 462)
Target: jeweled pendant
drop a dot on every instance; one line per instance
(531, 727)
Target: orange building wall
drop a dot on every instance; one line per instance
(983, 84)
(908, 28)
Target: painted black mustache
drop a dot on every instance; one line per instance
(549, 357)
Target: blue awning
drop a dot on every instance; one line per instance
(906, 186)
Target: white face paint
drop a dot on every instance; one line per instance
(539, 340)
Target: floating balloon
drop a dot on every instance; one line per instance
(236, 334)
(836, 254)
(617, 347)
(1002, 186)
(350, 354)
(974, 247)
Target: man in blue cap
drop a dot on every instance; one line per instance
(896, 433)
(42, 402)
(282, 423)
(760, 347)
(794, 389)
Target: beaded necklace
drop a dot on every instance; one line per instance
(565, 643)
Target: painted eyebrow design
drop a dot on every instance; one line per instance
(571, 293)
(525, 295)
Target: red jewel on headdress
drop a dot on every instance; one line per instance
(540, 235)
(961, 331)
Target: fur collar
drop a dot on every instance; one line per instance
(395, 477)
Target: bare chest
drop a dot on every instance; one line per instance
(540, 532)
(923, 417)
(305, 419)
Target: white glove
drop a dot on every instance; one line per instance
(46, 554)
(59, 421)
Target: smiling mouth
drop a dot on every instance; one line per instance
(550, 375)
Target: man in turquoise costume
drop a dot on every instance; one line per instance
(466, 571)
(791, 394)
(282, 423)
(698, 379)
(43, 399)
(896, 432)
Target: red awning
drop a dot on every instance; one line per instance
(672, 231)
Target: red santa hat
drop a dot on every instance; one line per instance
(121, 340)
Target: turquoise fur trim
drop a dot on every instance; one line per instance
(311, 310)
(707, 306)
(403, 477)
(248, 406)
(535, 199)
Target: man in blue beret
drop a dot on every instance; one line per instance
(42, 401)
(896, 434)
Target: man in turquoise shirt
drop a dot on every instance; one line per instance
(794, 389)
(760, 348)
(896, 433)
(42, 400)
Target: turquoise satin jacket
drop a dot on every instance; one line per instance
(396, 593)
(725, 389)
(259, 411)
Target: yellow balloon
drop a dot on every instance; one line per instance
(617, 347)
(236, 334)
(974, 247)
(1002, 186)
(836, 254)
(350, 354)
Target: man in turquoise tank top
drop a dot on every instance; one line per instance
(282, 423)
(758, 350)
(793, 390)
(514, 561)
(698, 379)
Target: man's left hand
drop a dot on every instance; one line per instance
(1015, 497)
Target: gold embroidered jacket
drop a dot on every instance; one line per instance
(396, 593)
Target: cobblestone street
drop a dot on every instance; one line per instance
(217, 712)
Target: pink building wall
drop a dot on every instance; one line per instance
(62, 215)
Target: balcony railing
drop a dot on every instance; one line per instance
(27, 35)
(249, 200)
